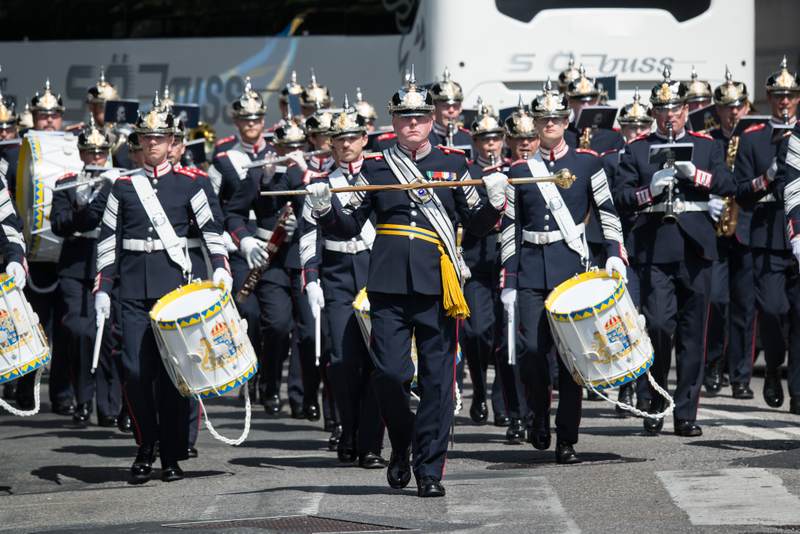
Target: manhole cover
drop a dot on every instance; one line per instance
(295, 524)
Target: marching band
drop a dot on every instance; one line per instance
(568, 254)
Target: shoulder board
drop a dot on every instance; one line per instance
(373, 155)
(123, 179)
(222, 154)
(387, 135)
(67, 176)
(450, 150)
(641, 137)
(519, 162)
(609, 151)
(225, 140)
(616, 129)
(470, 162)
(185, 172)
(587, 151)
(465, 130)
(755, 128)
(700, 135)
(198, 172)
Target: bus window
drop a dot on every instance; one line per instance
(526, 11)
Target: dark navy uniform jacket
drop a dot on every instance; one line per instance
(225, 171)
(652, 240)
(758, 148)
(76, 224)
(602, 140)
(224, 144)
(342, 274)
(144, 275)
(247, 197)
(199, 267)
(529, 265)
(398, 264)
(481, 253)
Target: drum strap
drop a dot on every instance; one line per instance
(158, 218)
(573, 236)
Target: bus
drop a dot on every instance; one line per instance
(501, 49)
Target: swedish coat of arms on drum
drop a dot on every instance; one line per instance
(614, 343)
(221, 351)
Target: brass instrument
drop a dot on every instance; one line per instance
(206, 132)
(451, 132)
(726, 225)
(669, 204)
(281, 159)
(586, 139)
(492, 160)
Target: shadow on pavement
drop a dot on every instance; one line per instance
(99, 435)
(746, 444)
(102, 475)
(360, 489)
(127, 451)
(314, 462)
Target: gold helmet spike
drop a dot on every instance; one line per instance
(520, 103)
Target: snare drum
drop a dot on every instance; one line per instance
(44, 157)
(600, 335)
(23, 345)
(202, 340)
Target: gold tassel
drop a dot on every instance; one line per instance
(454, 303)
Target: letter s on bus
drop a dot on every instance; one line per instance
(521, 62)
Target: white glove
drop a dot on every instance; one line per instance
(83, 195)
(102, 306)
(16, 271)
(796, 248)
(316, 299)
(253, 252)
(508, 297)
(291, 226)
(269, 167)
(615, 264)
(299, 159)
(222, 278)
(772, 171)
(685, 169)
(319, 195)
(496, 189)
(661, 180)
(715, 207)
(230, 246)
(111, 175)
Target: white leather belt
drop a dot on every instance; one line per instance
(545, 238)
(346, 247)
(152, 245)
(678, 206)
(767, 198)
(263, 233)
(91, 234)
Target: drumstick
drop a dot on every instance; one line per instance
(563, 179)
(98, 341)
(317, 335)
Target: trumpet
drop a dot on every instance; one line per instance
(281, 159)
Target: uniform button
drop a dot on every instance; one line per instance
(150, 229)
(413, 205)
(155, 190)
(676, 190)
(546, 227)
(546, 217)
(413, 213)
(155, 181)
(413, 223)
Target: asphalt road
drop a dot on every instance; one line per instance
(741, 476)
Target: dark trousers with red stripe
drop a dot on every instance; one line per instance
(158, 411)
(778, 304)
(482, 341)
(394, 318)
(731, 311)
(675, 304)
(534, 342)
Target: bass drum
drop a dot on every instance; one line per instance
(43, 158)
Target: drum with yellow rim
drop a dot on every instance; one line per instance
(23, 344)
(600, 335)
(44, 157)
(202, 340)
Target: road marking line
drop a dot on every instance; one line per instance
(312, 506)
(761, 429)
(742, 496)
